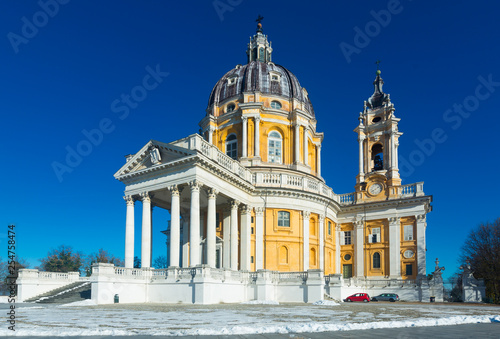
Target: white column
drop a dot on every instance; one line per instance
(129, 232)
(244, 146)
(361, 161)
(259, 238)
(194, 229)
(393, 151)
(146, 230)
(245, 238)
(175, 226)
(306, 150)
(421, 224)
(396, 157)
(394, 247)
(211, 227)
(322, 242)
(359, 249)
(185, 240)
(210, 134)
(318, 148)
(337, 250)
(226, 235)
(234, 235)
(297, 143)
(256, 138)
(305, 224)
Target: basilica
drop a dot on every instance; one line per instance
(252, 217)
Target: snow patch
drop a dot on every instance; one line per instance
(86, 302)
(326, 303)
(260, 302)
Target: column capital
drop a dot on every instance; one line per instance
(259, 211)
(246, 209)
(234, 204)
(338, 228)
(244, 118)
(306, 214)
(257, 119)
(421, 217)
(174, 190)
(212, 193)
(321, 218)
(146, 196)
(130, 200)
(195, 185)
(394, 221)
(359, 224)
(361, 138)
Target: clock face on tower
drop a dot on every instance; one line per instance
(375, 189)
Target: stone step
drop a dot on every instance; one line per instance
(72, 292)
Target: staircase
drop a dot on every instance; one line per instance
(76, 291)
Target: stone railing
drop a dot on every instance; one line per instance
(402, 192)
(292, 276)
(298, 182)
(196, 143)
(347, 199)
(380, 283)
(40, 275)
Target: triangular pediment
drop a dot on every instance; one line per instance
(154, 153)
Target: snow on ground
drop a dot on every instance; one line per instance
(176, 320)
(261, 302)
(326, 303)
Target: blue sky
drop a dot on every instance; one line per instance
(60, 73)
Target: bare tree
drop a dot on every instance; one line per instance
(482, 250)
(100, 256)
(160, 262)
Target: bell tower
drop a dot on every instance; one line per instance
(378, 137)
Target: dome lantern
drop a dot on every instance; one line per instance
(259, 48)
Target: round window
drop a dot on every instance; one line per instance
(275, 104)
(376, 119)
(408, 254)
(347, 257)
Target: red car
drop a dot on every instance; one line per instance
(358, 297)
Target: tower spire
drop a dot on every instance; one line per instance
(259, 49)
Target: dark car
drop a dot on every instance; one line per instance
(386, 297)
(358, 297)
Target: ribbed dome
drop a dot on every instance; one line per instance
(256, 76)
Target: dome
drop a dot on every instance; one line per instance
(264, 77)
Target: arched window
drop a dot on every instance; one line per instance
(262, 55)
(376, 260)
(283, 255)
(377, 157)
(274, 147)
(283, 218)
(230, 108)
(232, 146)
(275, 104)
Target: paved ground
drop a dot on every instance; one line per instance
(476, 331)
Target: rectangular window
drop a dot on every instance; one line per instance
(347, 237)
(283, 219)
(409, 269)
(408, 232)
(251, 259)
(251, 230)
(251, 220)
(347, 271)
(329, 228)
(217, 220)
(375, 234)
